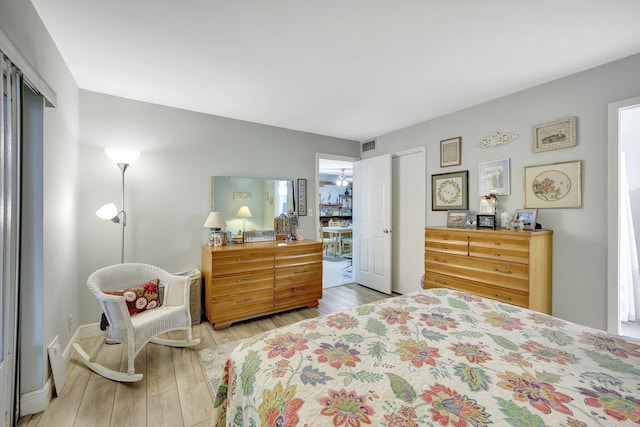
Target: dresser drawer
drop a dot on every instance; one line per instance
(496, 273)
(289, 256)
(300, 273)
(507, 248)
(294, 294)
(245, 261)
(245, 300)
(449, 241)
(244, 282)
(434, 280)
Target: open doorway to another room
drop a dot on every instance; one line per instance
(624, 224)
(334, 204)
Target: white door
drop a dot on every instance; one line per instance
(408, 202)
(372, 223)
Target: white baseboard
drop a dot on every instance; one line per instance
(38, 400)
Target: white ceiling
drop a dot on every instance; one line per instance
(354, 69)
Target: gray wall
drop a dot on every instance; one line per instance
(60, 282)
(168, 190)
(580, 235)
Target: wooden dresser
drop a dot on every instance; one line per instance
(504, 265)
(243, 281)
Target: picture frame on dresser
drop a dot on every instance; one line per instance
(457, 218)
(529, 218)
(486, 221)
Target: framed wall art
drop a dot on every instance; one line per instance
(450, 191)
(494, 178)
(556, 185)
(241, 195)
(554, 135)
(450, 152)
(302, 197)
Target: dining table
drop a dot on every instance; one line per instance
(338, 231)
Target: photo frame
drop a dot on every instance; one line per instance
(457, 218)
(486, 221)
(472, 220)
(450, 191)
(529, 218)
(450, 152)
(554, 135)
(494, 177)
(302, 197)
(556, 185)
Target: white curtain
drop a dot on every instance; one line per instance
(629, 272)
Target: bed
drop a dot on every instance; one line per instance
(432, 358)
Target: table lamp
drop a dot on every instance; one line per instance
(215, 222)
(244, 213)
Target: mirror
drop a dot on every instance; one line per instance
(264, 198)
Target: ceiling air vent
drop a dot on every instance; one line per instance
(369, 145)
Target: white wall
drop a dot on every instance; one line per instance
(59, 291)
(580, 235)
(168, 190)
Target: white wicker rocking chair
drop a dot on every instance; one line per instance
(136, 331)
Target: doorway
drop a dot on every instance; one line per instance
(334, 204)
(623, 305)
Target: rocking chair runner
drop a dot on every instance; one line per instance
(137, 330)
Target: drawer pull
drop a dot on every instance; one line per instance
(245, 280)
(445, 238)
(499, 297)
(496, 255)
(245, 259)
(299, 290)
(444, 261)
(497, 270)
(497, 243)
(300, 272)
(242, 301)
(444, 282)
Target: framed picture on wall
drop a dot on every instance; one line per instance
(302, 197)
(554, 135)
(556, 185)
(494, 177)
(450, 152)
(450, 191)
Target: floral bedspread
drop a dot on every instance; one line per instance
(432, 358)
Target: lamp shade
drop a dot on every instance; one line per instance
(244, 212)
(108, 211)
(122, 156)
(215, 220)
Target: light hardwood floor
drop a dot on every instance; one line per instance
(174, 390)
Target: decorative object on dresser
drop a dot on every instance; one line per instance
(215, 222)
(249, 280)
(509, 266)
(494, 177)
(554, 135)
(450, 191)
(555, 185)
(450, 152)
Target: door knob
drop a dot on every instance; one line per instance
(386, 231)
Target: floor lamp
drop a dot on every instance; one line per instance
(123, 158)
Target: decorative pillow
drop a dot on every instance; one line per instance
(138, 299)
